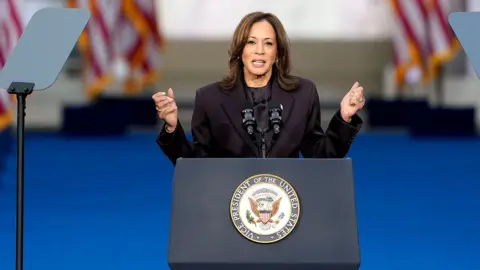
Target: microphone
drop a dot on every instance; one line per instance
(275, 116)
(249, 122)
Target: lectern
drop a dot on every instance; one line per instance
(263, 214)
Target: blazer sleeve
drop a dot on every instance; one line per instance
(176, 145)
(336, 141)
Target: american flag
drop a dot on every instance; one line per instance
(11, 28)
(143, 43)
(422, 39)
(95, 42)
(124, 30)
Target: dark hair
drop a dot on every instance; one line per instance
(280, 70)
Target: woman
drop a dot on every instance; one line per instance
(259, 74)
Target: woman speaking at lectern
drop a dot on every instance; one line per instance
(259, 84)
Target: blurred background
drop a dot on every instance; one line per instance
(98, 189)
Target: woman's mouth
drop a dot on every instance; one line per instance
(258, 63)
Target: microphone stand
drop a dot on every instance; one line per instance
(263, 143)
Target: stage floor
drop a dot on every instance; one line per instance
(104, 203)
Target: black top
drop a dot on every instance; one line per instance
(259, 97)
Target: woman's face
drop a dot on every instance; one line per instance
(260, 52)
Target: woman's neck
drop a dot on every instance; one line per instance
(257, 81)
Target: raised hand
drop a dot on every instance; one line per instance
(353, 102)
(167, 108)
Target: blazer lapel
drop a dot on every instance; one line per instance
(232, 104)
(287, 101)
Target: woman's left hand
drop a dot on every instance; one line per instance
(353, 102)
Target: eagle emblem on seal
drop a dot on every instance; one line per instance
(264, 207)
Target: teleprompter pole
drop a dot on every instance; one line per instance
(21, 90)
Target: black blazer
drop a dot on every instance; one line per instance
(218, 132)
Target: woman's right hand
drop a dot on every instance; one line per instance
(167, 109)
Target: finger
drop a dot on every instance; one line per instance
(355, 85)
(161, 98)
(168, 110)
(352, 100)
(170, 93)
(361, 101)
(356, 98)
(159, 94)
(360, 90)
(357, 93)
(351, 94)
(163, 103)
(163, 107)
(357, 101)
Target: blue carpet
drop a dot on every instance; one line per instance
(104, 203)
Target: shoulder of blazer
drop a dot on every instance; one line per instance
(305, 86)
(209, 89)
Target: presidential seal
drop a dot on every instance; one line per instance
(265, 208)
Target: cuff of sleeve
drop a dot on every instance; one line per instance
(355, 122)
(347, 130)
(166, 138)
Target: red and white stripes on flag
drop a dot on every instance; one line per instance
(141, 43)
(422, 39)
(444, 44)
(11, 28)
(96, 42)
(124, 30)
